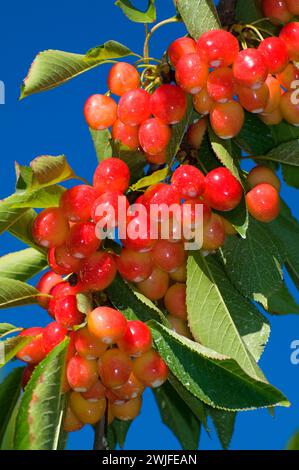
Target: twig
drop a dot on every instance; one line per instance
(100, 440)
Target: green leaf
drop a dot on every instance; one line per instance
(7, 442)
(290, 175)
(8, 216)
(40, 416)
(223, 150)
(220, 318)
(284, 132)
(134, 159)
(10, 390)
(53, 68)
(247, 138)
(213, 378)
(247, 12)
(253, 265)
(84, 303)
(7, 328)
(282, 302)
(287, 153)
(120, 430)
(178, 132)
(199, 16)
(294, 442)
(21, 228)
(150, 180)
(11, 346)
(102, 144)
(239, 218)
(39, 198)
(224, 422)
(111, 438)
(178, 417)
(149, 16)
(22, 265)
(48, 170)
(14, 293)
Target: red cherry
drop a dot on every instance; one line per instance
(155, 286)
(62, 262)
(254, 101)
(150, 369)
(290, 36)
(86, 411)
(134, 107)
(202, 102)
(133, 388)
(97, 271)
(138, 234)
(263, 174)
(158, 195)
(127, 411)
(168, 256)
(34, 351)
(71, 350)
(220, 46)
(272, 119)
(192, 73)
(277, 11)
(196, 133)
(289, 108)
(82, 240)
(65, 311)
(223, 191)
(44, 286)
(108, 207)
(154, 136)
(188, 181)
(123, 77)
(180, 47)
(88, 345)
(250, 68)
(213, 234)
(158, 159)
(135, 266)
(100, 112)
(114, 368)
(227, 119)
(82, 374)
(107, 324)
(53, 334)
(180, 275)
(175, 301)
(63, 289)
(293, 6)
(288, 76)
(27, 373)
(50, 228)
(111, 174)
(95, 393)
(274, 95)
(137, 339)
(75, 203)
(127, 135)
(275, 54)
(169, 104)
(220, 84)
(191, 213)
(263, 203)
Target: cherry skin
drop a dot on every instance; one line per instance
(44, 286)
(138, 234)
(53, 334)
(128, 410)
(213, 234)
(168, 256)
(263, 174)
(293, 6)
(272, 119)
(107, 324)
(111, 175)
(133, 388)
(202, 102)
(27, 374)
(254, 101)
(161, 193)
(263, 203)
(65, 311)
(123, 77)
(175, 301)
(82, 240)
(87, 345)
(180, 275)
(196, 133)
(275, 54)
(179, 48)
(125, 134)
(227, 119)
(71, 423)
(137, 339)
(288, 76)
(134, 107)
(150, 369)
(192, 73)
(63, 289)
(158, 159)
(277, 11)
(220, 46)
(86, 411)
(97, 271)
(155, 287)
(188, 181)
(114, 368)
(154, 136)
(179, 326)
(290, 36)
(95, 393)
(135, 266)
(75, 203)
(220, 85)
(274, 95)
(82, 373)
(34, 352)
(250, 68)
(50, 228)
(62, 262)
(223, 191)
(100, 112)
(169, 104)
(194, 213)
(108, 207)
(289, 109)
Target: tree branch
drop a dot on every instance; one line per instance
(227, 12)
(100, 439)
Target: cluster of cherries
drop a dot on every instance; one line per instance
(280, 11)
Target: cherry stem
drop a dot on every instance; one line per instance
(255, 30)
(260, 20)
(173, 19)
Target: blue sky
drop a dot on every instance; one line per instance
(52, 123)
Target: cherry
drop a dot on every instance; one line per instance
(27, 373)
(293, 6)
(75, 203)
(50, 228)
(65, 311)
(100, 112)
(168, 256)
(126, 134)
(159, 194)
(113, 398)
(87, 345)
(44, 286)
(158, 159)
(169, 104)
(188, 181)
(289, 75)
(123, 77)
(275, 54)
(150, 369)
(114, 368)
(220, 46)
(227, 119)
(179, 326)
(111, 175)
(196, 133)
(53, 334)
(277, 11)
(61, 262)
(175, 301)
(290, 36)
(137, 339)
(179, 48)
(254, 101)
(154, 136)
(289, 108)
(273, 118)
(34, 351)
(213, 234)
(220, 85)
(82, 240)
(250, 68)
(95, 393)
(86, 411)
(97, 271)
(63, 289)
(192, 73)
(134, 107)
(229, 229)
(263, 174)
(155, 287)
(131, 389)
(71, 423)
(71, 350)
(180, 275)
(263, 203)
(107, 324)
(223, 191)
(195, 213)
(202, 102)
(274, 95)
(107, 208)
(82, 373)
(127, 411)
(138, 234)
(135, 266)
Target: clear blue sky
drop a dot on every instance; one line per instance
(52, 123)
